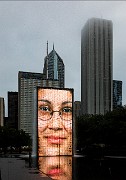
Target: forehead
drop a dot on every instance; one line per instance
(55, 95)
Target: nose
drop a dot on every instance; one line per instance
(56, 121)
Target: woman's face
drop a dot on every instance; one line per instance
(58, 167)
(54, 122)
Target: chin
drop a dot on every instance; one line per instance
(55, 152)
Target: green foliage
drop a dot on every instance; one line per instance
(13, 138)
(108, 129)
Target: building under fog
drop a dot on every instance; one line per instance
(97, 66)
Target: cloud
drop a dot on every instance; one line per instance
(27, 25)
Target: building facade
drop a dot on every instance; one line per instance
(12, 110)
(97, 66)
(54, 67)
(27, 83)
(117, 94)
(77, 108)
(2, 111)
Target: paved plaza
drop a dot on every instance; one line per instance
(15, 169)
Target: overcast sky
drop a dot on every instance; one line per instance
(25, 27)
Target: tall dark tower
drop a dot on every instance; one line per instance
(54, 67)
(97, 66)
(13, 109)
(117, 94)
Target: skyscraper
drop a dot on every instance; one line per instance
(27, 83)
(2, 111)
(52, 76)
(117, 93)
(77, 108)
(54, 67)
(13, 110)
(97, 66)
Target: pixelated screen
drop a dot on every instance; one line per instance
(56, 167)
(54, 125)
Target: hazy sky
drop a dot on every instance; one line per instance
(25, 27)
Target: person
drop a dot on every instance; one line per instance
(54, 122)
(58, 167)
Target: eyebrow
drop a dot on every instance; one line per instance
(66, 102)
(43, 100)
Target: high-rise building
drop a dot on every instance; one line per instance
(27, 83)
(117, 94)
(77, 108)
(2, 111)
(97, 66)
(12, 110)
(54, 67)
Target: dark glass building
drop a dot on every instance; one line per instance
(2, 111)
(77, 108)
(12, 110)
(54, 67)
(117, 94)
(97, 66)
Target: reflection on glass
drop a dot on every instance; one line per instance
(58, 167)
(54, 122)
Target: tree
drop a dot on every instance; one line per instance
(108, 129)
(10, 137)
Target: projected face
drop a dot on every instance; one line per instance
(54, 122)
(58, 167)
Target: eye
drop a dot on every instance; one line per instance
(44, 108)
(67, 109)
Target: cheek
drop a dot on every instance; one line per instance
(68, 126)
(42, 125)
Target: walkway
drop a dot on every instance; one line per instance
(15, 169)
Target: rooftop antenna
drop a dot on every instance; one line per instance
(53, 46)
(47, 60)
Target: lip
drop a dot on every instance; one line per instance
(55, 172)
(55, 139)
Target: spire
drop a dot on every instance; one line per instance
(47, 48)
(47, 60)
(53, 46)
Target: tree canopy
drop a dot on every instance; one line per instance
(108, 129)
(10, 137)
